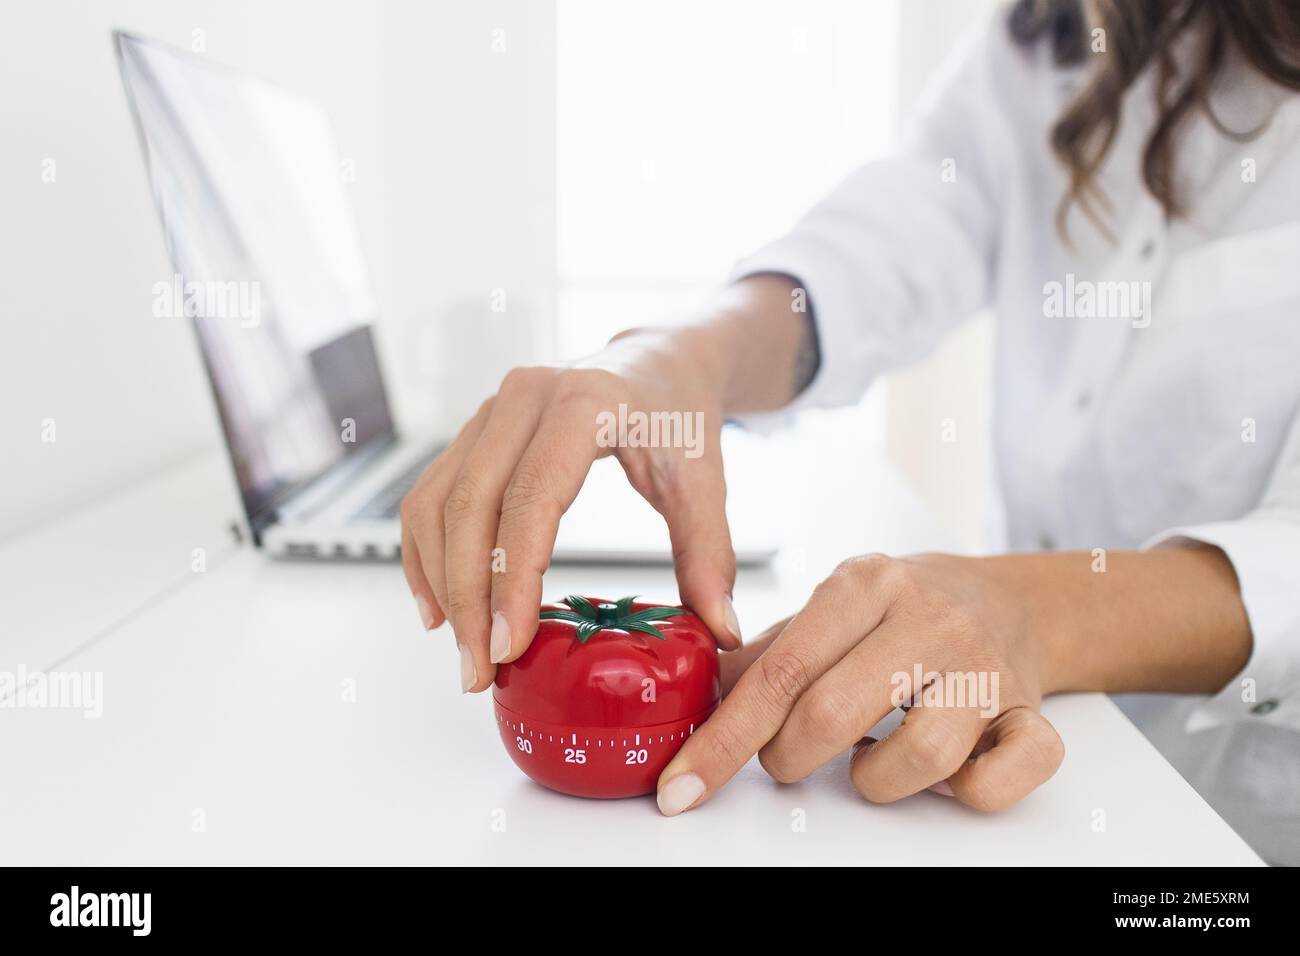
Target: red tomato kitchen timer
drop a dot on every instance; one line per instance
(606, 694)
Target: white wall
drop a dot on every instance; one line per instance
(954, 477)
(453, 147)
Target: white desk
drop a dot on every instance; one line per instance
(223, 701)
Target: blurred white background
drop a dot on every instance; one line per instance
(602, 163)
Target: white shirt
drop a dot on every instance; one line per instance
(1176, 418)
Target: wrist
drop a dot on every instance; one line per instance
(689, 360)
(1047, 623)
(705, 351)
(746, 348)
(756, 333)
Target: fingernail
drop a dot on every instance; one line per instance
(732, 622)
(679, 793)
(468, 672)
(500, 638)
(942, 787)
(426, 611)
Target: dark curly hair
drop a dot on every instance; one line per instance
(1139, 33)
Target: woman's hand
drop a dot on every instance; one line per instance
(989, 637)
(479, 526)
(815, 684)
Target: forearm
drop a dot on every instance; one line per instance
(757, 342)
(1169, 619)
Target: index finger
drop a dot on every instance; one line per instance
(544, 485)
(845, 607)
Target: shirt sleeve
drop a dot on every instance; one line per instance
(903, 249)
(1264, 548)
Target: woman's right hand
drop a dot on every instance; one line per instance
(479, 526)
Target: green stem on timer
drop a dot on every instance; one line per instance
(592, 618)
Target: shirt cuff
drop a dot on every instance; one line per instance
(1265, 553)
(849, 359)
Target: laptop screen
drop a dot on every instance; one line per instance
(267, 266)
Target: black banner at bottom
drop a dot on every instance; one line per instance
(213, 906)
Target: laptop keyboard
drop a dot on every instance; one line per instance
(386, 502)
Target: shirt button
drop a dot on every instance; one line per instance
(1148, 249)
(1083, 400)
(1264, 707)
(1046, 541)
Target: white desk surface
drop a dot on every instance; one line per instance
(223, 693)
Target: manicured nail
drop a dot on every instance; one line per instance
(732, 622)
(679, 793)
(426, 611)
(500, 638)
(942, 787)
(468, 672)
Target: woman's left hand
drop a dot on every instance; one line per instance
(815, 684)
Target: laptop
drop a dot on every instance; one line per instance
(268, 268)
